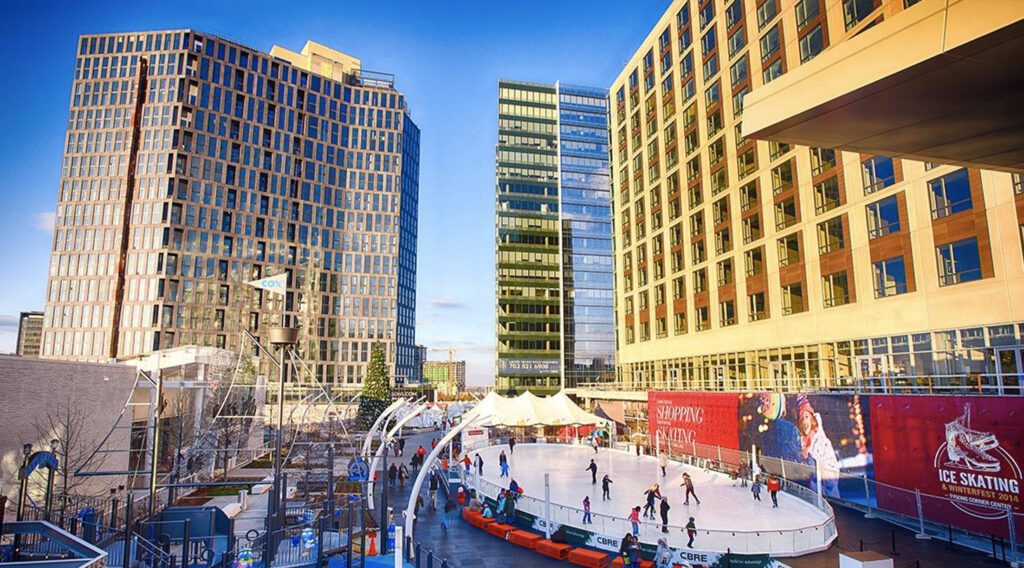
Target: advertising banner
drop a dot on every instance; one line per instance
(822, 431)
(962, 453)
(684, 418)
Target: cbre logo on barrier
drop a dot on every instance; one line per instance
(979, 477)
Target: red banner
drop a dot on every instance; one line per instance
(964, 454)
(685, 418)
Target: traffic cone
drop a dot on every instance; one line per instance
(373, 544)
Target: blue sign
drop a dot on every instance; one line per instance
(358, 470)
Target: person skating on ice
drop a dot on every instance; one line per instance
(634, 519)
(755, 489)
(511, 444)
(605, 489)
(592, 468)
(652, 493)
(688, 483)
(586, 511)
(664, 514)
(663, 462)
(595, 442)
(773, 489)
(691, 531)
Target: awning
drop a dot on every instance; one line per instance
(528, 409)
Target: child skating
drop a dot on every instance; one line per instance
(688, 483)
(605, 489)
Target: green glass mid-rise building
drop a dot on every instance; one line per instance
(553, 237)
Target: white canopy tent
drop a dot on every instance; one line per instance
(528, 409)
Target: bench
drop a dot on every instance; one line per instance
(475, 518)
(500, 530)
(553, 549)
(617, 562)
(232, 510)
(588, 558)
(525, 539)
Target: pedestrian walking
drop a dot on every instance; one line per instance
(592, 468)
(421, 452)
(663, 462)
(511, 444)
(652, 493)
(664, 515)
(663, 555)
(433, 443)
(755, 489)
(586, 511)
(605, 490)
(634, 519)
(403, 474)
(688, 483)
(479, 465)
(394, 447)
(449, 506)
(432, 489)
(691, 531)
(773, 489)
(624, 548)
(634, 552)
(401, 446)
(467, 462)
(392, 475)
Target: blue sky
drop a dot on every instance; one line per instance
(447, 58)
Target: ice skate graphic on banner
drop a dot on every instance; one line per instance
(980, 477)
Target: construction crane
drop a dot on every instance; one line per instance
(450, 350)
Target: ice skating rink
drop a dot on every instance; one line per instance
(727, 518)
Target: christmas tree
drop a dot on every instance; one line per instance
(376, 389)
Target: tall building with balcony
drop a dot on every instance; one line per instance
(553, 237)
(751, 265)
(194, 164)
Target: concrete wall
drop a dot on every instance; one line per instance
(31, 388)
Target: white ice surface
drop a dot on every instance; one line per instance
(727, 518)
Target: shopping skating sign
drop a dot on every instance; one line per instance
(980, 477)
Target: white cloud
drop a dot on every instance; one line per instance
(45, 221)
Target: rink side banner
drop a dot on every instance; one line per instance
(611, 543)
(969, 450)
(684, 418)
(826, 430)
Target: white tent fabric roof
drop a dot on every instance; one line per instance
(528, 409)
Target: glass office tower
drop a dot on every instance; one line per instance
(194, 164)
(553, 237)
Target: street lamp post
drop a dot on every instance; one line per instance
(283, 338)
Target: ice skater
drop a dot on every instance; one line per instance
(592, 468)
(663, 462)
(605, 490)
(466, 461)
(511, 444)
(664, 515)
(688, 483)
(755, 489)
(653, 493)
(595, 442)
(773, 489)
(691, 531)
(634, 519)
(586, 511)
(504, 469)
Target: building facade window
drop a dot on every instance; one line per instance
(890, 277)
(830, 235)
(877, 173)
(958, 262)
(727, 313)
(792, 299)
(811, 44)
(789, 250)
(756, 307)
(883, 217)
(950, 194)
(835, 289)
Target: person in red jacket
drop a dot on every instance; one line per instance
(773, 489)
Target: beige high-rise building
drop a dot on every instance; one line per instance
(30, 330)
(194, 164)
(745, 264)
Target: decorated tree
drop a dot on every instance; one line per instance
(376, 389)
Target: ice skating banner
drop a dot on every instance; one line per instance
(685, 418)
(826, 433)
(966, 450)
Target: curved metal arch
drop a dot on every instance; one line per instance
(385, 438)
(410, 511)
(377, 424)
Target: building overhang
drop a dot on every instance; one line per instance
(942, 81)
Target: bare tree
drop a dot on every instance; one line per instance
(75, 448)
(180, 432)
